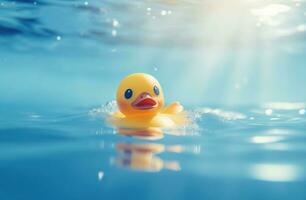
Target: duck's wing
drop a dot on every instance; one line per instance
(117, 115)
(173, 108)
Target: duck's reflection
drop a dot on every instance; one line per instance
(145, 133)
(144, 156)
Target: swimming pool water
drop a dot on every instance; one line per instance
(244, 153)
(225, 61)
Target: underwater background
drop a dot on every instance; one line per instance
(238, 67)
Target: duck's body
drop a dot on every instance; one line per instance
(140, 101)
(163, 119)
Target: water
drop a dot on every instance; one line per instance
(245, 153)
(225, 61)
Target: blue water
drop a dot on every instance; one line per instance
(237, 66)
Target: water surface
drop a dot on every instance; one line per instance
(253, 152)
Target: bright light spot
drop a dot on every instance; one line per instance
(100, 175)
(274, 172)
(86, 3)
(251, 118)
(114, 33)
(115, 23)
(284, 106)
(169, 12)
(270, 10)
(265, 139)
(155, 68)
(274, 118)
(301, 28)
(223, 114)
(266, 14)
(163, 12)
(35, 116)
(197, 149)
(58, 38)
(269, 111)
(35, 3)
(148, 9)
(302, 112)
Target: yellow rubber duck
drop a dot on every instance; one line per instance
(140, 101)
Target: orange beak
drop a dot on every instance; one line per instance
(144, 102)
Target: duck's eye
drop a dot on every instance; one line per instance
(156, 90)
(128, 93)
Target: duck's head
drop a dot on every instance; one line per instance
(139, 94)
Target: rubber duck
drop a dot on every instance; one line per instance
(140, 101)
